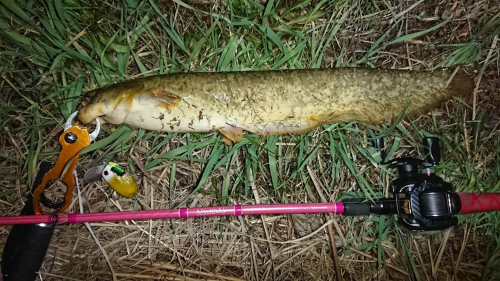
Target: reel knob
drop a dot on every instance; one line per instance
(432, 150)
(380, 147)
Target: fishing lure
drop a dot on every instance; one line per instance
(119, 180)
(115, 176)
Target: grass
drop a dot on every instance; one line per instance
(52, 51)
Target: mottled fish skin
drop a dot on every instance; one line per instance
(272, 102)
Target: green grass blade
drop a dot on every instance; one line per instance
(216, 153)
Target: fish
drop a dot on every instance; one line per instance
(272, 102)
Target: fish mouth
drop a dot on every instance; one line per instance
(90, 110)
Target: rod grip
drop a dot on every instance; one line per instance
(356, 207)
(26, 245)
(479, 202)
(25, 250)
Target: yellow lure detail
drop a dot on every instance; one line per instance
(119, 180)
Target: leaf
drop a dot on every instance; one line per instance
(417, 34)
(113, 43)
(227, 54)
(318, 59)
(216, 152)
(6, 29)
(179, 151)
(197, 47)
(20, 13)
(271, 152)
(478, 127)
(171, 32)
(290, 55)
(108, 140)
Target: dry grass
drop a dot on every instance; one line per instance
(268, 247)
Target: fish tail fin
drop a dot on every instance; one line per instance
(462, 82)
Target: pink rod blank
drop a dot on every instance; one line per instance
(236, 210)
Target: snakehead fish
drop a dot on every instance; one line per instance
(272, 102)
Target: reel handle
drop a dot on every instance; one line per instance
(432, 150)
(379, 145)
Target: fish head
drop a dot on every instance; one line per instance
(92, 96)
(111, 103)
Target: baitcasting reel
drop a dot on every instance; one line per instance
(422, 200)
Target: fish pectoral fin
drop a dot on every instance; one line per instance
(167, 99)
(231, 134)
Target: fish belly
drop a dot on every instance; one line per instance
(180, 119)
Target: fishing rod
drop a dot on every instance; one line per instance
(420, 199)
(435, 210)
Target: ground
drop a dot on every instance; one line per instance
(53, 51)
